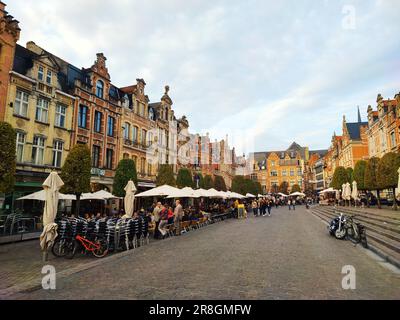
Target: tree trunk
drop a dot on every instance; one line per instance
(394, 199)
(378, 197)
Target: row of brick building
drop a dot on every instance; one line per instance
(54, 105)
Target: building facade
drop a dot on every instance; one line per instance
(42, 114)
(383, 127)
(9, 35)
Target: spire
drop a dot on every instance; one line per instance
(359, 114)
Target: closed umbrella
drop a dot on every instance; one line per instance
(51, 186)
(344, 191)
(337, 195)
(348, 191)
(354, 193)
(130, 190)
(398, 185)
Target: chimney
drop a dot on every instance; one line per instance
(3, 9)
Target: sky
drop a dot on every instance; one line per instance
(265, 73)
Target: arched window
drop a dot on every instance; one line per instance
(99, 88)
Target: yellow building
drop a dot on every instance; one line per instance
(41, 113)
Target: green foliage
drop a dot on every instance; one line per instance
(126, 171)
(359, 174)
(296, 188)
(371, 174)
(388, 167)
(208, 182)
(349, 172)
(340, 177)
(8, 157)
(284, 187)
(76, 170)
(184, 178)
(220, 183)
(165, 175)
(238, 185)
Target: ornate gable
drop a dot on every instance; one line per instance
(100, 66)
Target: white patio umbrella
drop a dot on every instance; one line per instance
(297, 194)
(348, 191)
(354, 193)
(260, 196)
(91, 196)
(160, 191)
(130, 190)
(282, 194)
(398, 184)
(106, 195)
(201, 193)
(344, 191)
(41, 196)
(212, 193)
(249, 195)
(51, 186)
(328, 190)
(186, 192)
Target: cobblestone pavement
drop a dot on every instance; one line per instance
(286, 256)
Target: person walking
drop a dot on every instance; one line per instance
(156, 215)
(254, 206)
(290, 204)
(163, 221)
(294, 204)
(178, 214)
(269, 207)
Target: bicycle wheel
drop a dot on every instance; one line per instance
(102, 251)
(71, 249)
(58, 248)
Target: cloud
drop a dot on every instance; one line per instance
(264, 72)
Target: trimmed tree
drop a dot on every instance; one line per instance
(8, 158)
(126, 171)
(340, 177)
(349, 172)
(388, 175)
(76, 172)
(184, 178)
(165, 175)
(359, 174)
(284, 187)
(220, 183)
(371, 177)
(208, 182)
(296, 188)
(238, 184)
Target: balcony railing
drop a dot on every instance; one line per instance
(137, 144)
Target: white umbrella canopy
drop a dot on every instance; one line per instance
(91, 196)
(297, 194)
(328, 190)
(354, 193)
(201, 193)
(212, 193)
(41, 196)
(51, 187)
(107, 195)
(282, 194)
(260, 196)
(249, 195)
(160, 191)
(186, 192)
(129, 198)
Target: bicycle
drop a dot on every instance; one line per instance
(99, 248)
(356, 231)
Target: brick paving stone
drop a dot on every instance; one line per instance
(286, 256)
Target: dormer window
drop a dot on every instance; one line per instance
(40, 73)
(99, 89)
